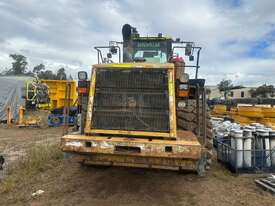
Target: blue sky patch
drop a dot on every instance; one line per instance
(236, 3)
(259, 48)
(230, 3)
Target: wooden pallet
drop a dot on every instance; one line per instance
(267, 183)
(29, 126)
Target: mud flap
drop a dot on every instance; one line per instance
(201, 166)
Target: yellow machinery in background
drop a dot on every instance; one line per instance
(220, 109)
(57, 90)
(247, 114)
(36, 95)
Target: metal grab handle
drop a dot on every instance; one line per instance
(99, 52)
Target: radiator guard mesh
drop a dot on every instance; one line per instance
(131, 99)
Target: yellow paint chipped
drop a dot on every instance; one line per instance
(135, 65)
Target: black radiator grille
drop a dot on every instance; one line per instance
(132, 99)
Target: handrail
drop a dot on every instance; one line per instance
(99, 52)
(197, 66)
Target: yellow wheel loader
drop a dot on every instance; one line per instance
(143, 111)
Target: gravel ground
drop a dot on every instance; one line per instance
(71, 184)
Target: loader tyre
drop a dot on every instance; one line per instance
(187, 120)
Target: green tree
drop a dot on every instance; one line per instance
(263, 91)
(61, 74)
(38, 68)
(224, 86)
(207, 92)
(48, 74)
(19, 64)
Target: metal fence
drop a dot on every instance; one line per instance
(245, 161)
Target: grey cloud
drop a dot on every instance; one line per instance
(64, 32)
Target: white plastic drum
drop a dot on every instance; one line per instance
(239, 148)
(254, 124)
(233, 147)
(272, 146)
(247, 146)
(259, 143)
(267, 152)
(263, 139)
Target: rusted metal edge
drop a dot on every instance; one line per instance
(191, 142)
(135, 65)
(140, 162)
(132, 147)
(128, 132)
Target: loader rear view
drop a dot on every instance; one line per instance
(143, 112)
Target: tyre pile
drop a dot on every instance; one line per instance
(187, 120)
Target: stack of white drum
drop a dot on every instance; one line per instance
(252, 145)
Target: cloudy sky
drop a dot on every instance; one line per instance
(237, 36)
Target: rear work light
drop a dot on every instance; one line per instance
(181, 104)
(82, 75)
(183, 90)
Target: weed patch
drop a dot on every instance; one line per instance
(38, 158)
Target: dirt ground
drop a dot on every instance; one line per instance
(71, 184)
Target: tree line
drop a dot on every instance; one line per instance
(263, 91)
(19, 67)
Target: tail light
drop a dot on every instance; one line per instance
(183, 90)
(183, 93)
(82, 90)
